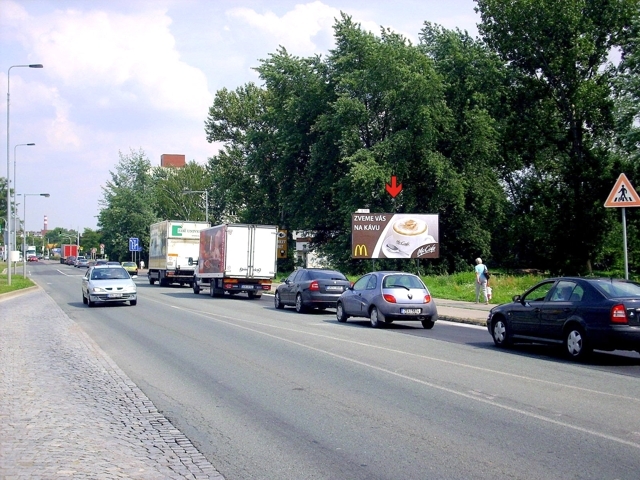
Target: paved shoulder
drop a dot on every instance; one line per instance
(66, 408)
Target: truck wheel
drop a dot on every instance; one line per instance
(196, 287)
(152, 280)
(254, 294)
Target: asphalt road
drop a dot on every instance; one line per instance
(269, 394)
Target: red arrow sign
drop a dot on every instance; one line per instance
(393, 189)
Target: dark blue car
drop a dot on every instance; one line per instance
(581, 314)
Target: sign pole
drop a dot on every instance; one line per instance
(624, 241)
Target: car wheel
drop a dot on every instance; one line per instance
(300, 308)
(575, 343)
(340, 315)
(90, 303)
(500, 333)
(133, 302)
(376, 319)
(428, 324)
(276, 301)
(84, 299)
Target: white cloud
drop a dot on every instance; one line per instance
(127, 58)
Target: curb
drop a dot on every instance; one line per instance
(17, 293)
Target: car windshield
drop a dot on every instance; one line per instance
(109, 274)
(618, 289)
(324, 274)
(404, 281)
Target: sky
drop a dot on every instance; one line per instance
(121, 76)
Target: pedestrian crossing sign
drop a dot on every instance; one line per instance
(623, 194)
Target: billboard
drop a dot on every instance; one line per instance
(394, 235)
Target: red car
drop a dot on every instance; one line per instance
(32, 258)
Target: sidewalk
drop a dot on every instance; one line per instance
(68, 411)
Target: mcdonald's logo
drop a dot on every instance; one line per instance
(360, 250)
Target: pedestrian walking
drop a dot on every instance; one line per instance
(482, 282)
(141, 264)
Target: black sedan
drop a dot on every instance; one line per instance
(311, 288)
(383, 297)
(581, 314)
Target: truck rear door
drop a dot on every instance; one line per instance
(264, 251)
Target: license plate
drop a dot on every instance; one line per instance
(247, 287)
(410, 311)
(115, 295)
(334, 287)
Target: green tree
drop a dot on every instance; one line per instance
(169, 187)
(127, 206)
(562, 121)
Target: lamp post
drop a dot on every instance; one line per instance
(24, 233)
(206, 201)
(33, 65)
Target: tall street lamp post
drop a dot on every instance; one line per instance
(24, 233)
(206, 201)
(33, 65)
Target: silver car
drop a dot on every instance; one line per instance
(108, 283)
(383, 297)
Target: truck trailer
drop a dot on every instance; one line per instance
(236, 258)
(68, 250)
(173, 251)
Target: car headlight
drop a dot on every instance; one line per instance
(97, 290)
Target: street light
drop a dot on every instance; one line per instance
(24, 233)
(206, 201)
(14, 185)
(33, 65)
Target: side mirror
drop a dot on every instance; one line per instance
(517, 298)
(191, 261)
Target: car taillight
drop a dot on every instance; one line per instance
(389, 298)
(619, 314)
(314, 286)
(427, 298)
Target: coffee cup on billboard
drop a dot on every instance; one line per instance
(408, 233)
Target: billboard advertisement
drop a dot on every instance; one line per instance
(394, 235)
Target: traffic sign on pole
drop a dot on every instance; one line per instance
(133, 244)
(623, 194)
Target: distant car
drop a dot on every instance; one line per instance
(114, 263)
(32, 258)
(383, 297)
(581, 314)
(311, 288)
(106, 284)
(78, 259)
(101, 262)
(82, 263)
(130, 267)
(46, 257)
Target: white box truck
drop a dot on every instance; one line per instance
(173, 251)
(236, 258)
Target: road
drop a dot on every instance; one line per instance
(269, 394)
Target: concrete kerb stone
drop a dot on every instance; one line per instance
(16, 293)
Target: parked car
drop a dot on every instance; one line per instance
(383, 297)
(108, 283)
(311, 288)
(581, 314)
(130, 267)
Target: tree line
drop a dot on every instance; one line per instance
(514, 139)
